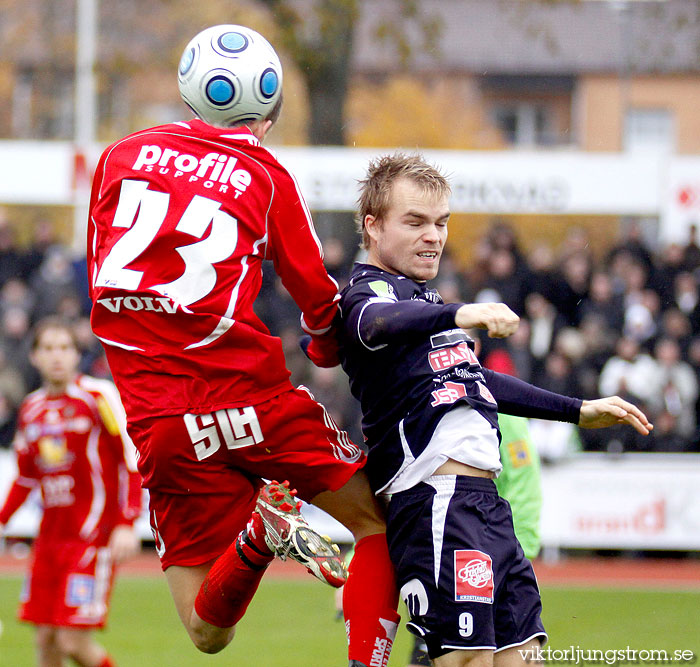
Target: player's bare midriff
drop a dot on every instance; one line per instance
(452, 467)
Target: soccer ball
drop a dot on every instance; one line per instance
(230, 75)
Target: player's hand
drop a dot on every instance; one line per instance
(499, 320)
(613, 410)
(123, 543)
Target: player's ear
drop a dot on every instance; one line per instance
(371, 224)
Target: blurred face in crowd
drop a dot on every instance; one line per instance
(55, 357)
(409, 239)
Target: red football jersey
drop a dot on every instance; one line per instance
(181, 218)
(74, 447)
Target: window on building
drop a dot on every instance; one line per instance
(524, 124)
(649, 130)
(530, 110)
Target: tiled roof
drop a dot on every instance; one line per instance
(519, 36)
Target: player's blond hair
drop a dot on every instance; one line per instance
(382, 173)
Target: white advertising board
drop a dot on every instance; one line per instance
(635, 501)
(680, 199)
(495, 182)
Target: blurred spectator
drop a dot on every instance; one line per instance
(503, 283)
(92, 357)
(12, 384)
(676, 325)
(629, 372)
(11, 265)
(691, 252)
(693, 357)
(685, 294)
(336, 260)
(451, 282)
(8, 421)
(665, 436)
(518, 346)
(632, 245)
(43, 238)
(543, 273)
(598, 342)
(669, 265)
(676, 387)
(14, 328)
(501, 235)
(557, 375)
(573, 286)
(641, 317)
(53, 281)
(545, 322)
(601, 300)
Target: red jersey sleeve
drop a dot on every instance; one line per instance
(24, 482)
(298, 257)
(113, 419)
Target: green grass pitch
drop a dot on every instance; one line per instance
(292, 623)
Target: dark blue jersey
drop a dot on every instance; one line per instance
(408, 365)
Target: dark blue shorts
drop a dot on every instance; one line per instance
(461, 571)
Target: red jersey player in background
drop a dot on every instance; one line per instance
(181, 218)
(71, 443)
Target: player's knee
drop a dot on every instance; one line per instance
(210, 642)
(45, 639)
(68, 643)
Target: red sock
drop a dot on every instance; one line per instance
(370, 599)
(107, 662)
(233, 579)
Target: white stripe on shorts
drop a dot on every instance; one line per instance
(444, 486)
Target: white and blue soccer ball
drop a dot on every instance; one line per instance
(230, 75)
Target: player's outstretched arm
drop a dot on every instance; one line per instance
(499, 320)
(124, 543)
(612, 410)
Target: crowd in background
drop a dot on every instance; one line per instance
(626, 323)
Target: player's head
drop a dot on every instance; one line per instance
(230, 75)
(403, 213)
(55, 352)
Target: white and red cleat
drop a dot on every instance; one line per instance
(289, 536)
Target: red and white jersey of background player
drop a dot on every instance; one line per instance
(74, 447)
(181, 217)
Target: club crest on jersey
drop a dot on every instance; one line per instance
(213, 169)
(53, 452)
(473, 576)
(383, 289)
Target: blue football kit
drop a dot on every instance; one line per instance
(426, 399)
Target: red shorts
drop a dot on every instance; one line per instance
(69, 584)
(203, 472)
